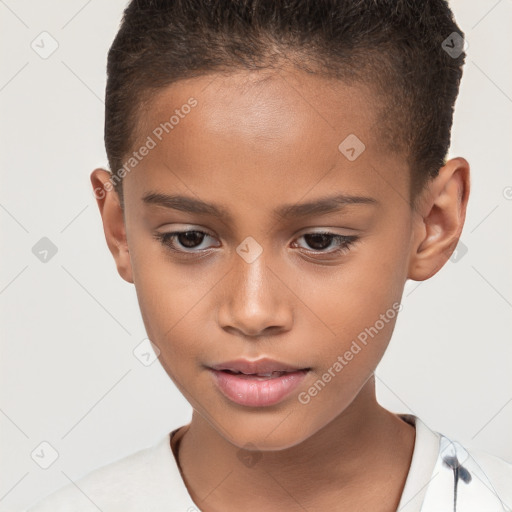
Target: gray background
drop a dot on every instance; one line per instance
(69, 325)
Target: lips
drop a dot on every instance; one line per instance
(260, 383)
(264, 367)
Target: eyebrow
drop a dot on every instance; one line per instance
(323, 205)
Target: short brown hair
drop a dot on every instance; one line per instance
(397, 47)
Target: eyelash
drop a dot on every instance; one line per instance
(344, 242)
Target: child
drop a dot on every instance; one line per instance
(278, 172)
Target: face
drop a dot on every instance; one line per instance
(255, 277)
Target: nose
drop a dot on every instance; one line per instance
(255, 302)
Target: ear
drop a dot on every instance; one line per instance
(439, 219)
(113, 221)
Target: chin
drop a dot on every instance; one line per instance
(264, 436)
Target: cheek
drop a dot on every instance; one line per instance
(356, 307)
(351, 297)
(172, 299)
(160, 289)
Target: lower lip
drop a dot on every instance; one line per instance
(257, 391)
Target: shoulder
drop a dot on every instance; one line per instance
(131, 483)
(474, 479)
(497, 471)
(447, 475)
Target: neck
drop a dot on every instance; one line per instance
(365, 445)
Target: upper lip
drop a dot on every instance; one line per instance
(264, 365)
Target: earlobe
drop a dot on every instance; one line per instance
(113, 221)
(438, 223)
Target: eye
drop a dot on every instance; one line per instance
(321, 240)
(180, 241)
(190, 242)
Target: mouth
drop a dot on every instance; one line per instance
(264, 367)
(259, 376)
(258, 383)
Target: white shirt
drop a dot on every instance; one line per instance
(149, 480)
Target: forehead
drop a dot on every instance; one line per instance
(270, 104)
(284, 130)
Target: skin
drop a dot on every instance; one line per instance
(252, 145)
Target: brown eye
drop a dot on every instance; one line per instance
(180, 241)
(189, 239)
(321, 241)
(318, 241)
